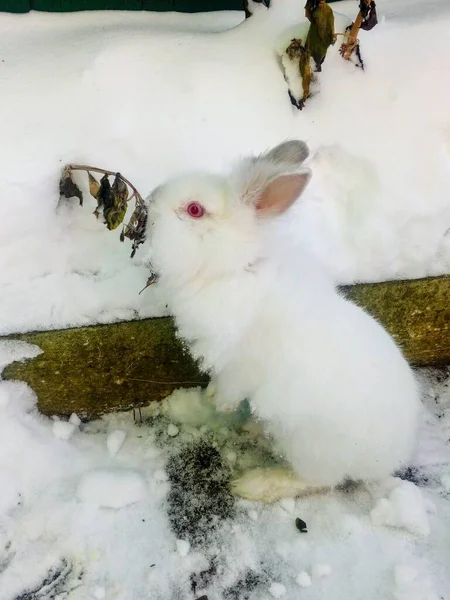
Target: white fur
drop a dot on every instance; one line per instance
(328, 381)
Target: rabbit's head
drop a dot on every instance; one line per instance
(204, 226)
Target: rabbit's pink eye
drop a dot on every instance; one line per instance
(195, 210)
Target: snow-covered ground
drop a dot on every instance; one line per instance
(154, 94)
(111, 509)
(108, 509)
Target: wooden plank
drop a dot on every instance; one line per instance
(78, 5)
(207, 5)
(95, 370)
(21, 6)
(415, 312)
(158, 5)
(15, 6)
(214, 5)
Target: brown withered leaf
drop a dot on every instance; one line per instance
(105, 195)
(68, 188)
(112, 200)
(120, 190)
(94, 186)
(150, 281)
(115, 202)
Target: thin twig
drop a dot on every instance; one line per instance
(165, 382)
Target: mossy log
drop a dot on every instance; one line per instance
(415, 312)
(104, 368)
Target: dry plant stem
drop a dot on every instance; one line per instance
(156, 382)
(106, 172)
(355, 29)
(352, 37)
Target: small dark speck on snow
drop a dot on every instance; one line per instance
(301, 525)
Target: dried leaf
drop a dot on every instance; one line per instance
(120, 190)
(94, 186)
(112, 201)
(114, 216)
(68, 188)
(150, 281)
(105, 196)
(137, 226)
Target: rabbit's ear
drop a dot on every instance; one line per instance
(278, 195)
(292, 152)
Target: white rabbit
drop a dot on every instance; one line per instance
(327, 380)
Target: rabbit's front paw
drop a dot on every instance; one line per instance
(226, 408)
(211, 391)
(223, 402)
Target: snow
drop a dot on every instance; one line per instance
(63, 430)
(85, 515)
(160, 475)
(445, 480)
(75, 420)
(183, 547)
(99, 593)
(277, 590)
(111, 488)
(288, 504)
(172, 430)
(409, 587)
(320, 571)
(405, 507)
(115, 440)
(303, 579)
(404, 575)
(253, 514)
(100, 524)
(378, 204)
(13, 350)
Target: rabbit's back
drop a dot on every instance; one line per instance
(332, 385)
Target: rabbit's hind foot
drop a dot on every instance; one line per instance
(271, 484)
